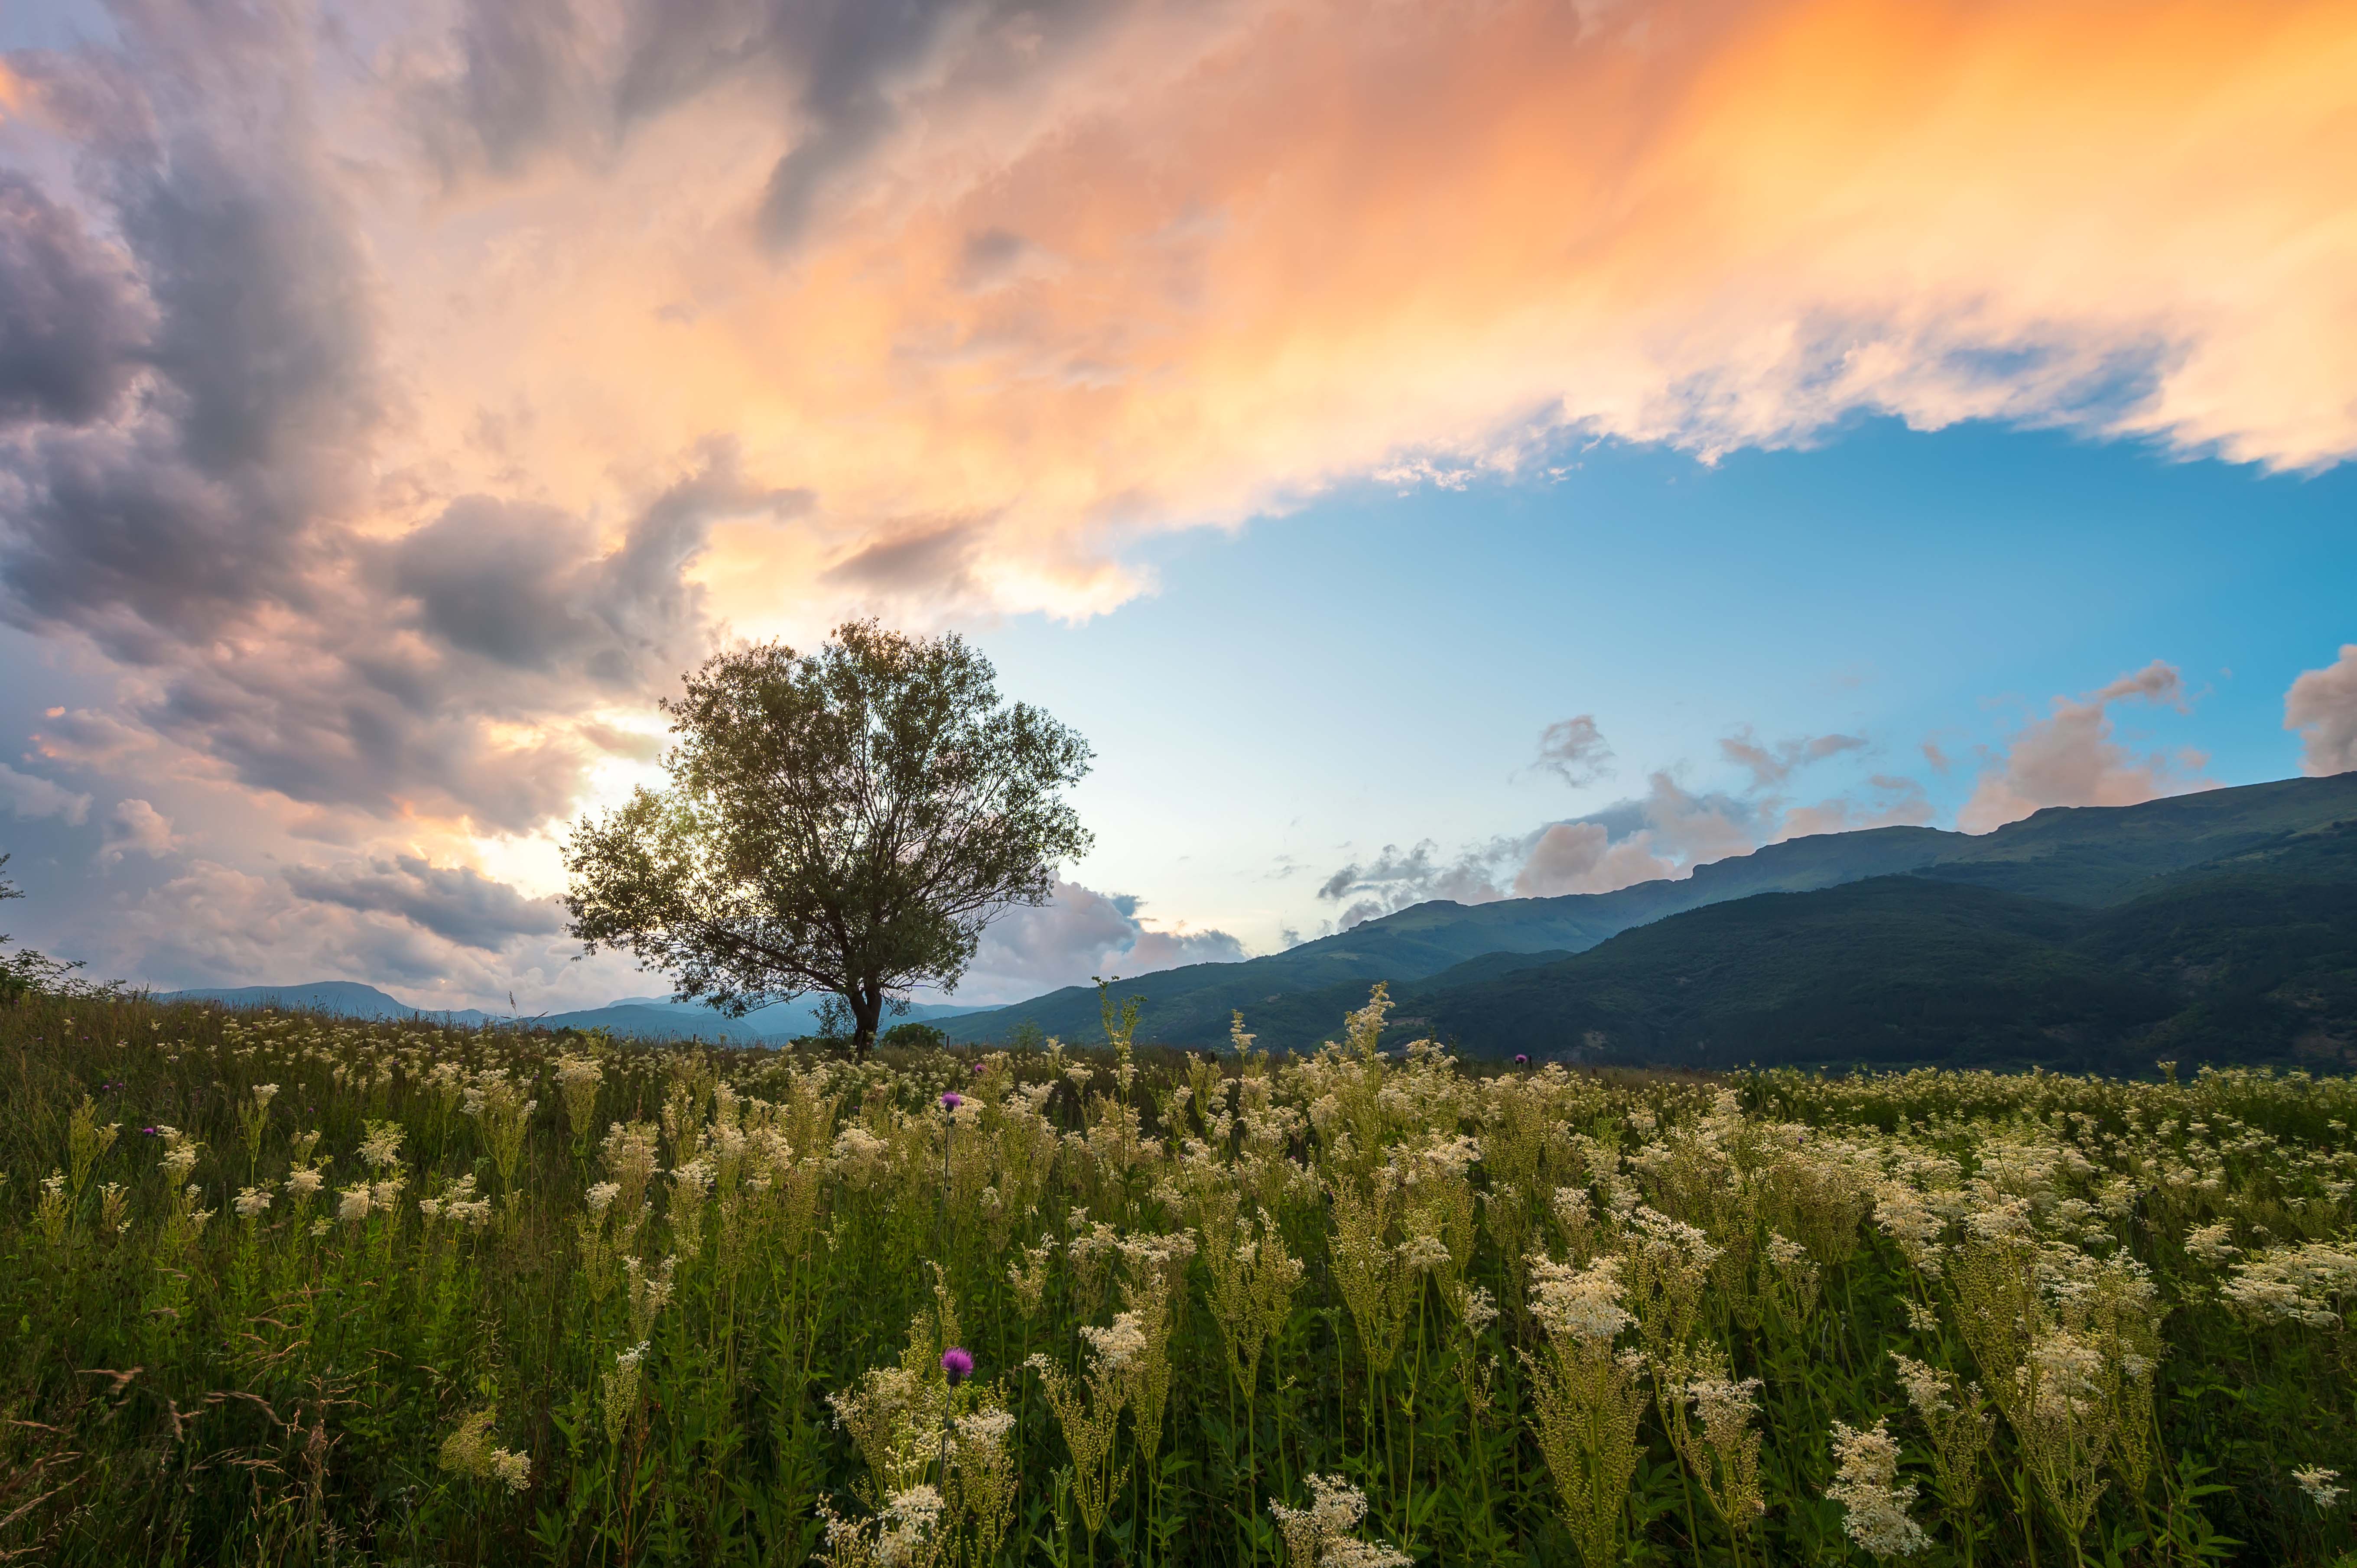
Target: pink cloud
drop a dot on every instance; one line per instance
(2322, 706)
(1897, 803)
(1578, 857)
(1680, 831)
(136, 826)
(1772, 764)
(2070, 759)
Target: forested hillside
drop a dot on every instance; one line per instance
(2225, 917)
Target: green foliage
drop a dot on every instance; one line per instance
(915, 1038)
(2254, 960)
(843, 822)
(286, 1288)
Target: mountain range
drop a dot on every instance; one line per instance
(2214, 927)
(2220, 926)
(636, 1017)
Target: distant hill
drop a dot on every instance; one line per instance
(1192, 1005)
(2249, 959)
(660, 1018)
(344, 998)
(2081, 857)
(636, 1017)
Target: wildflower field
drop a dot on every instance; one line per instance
(280, 1289)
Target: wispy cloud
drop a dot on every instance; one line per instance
(1575, 751)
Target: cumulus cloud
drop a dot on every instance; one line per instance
(1582, 857)
(2070, 757)
(211, 494)
(1666, 832)
(1080, 933)
(30, 795)
(1397, 879)
(440, 666)
(135, 825)
(212, 924)
(1574, 750)
(293, 617)
(72, 322)
(456, 903)
(2322, 706)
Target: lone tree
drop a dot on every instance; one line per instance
(844, 821)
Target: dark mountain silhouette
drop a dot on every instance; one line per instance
(2009, 909)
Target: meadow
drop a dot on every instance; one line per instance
(279, 1288)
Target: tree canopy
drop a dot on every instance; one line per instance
(844, 821)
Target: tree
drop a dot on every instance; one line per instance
(915, 1037)
(844, 821)
(28, 969)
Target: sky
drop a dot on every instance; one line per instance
(1429, 451)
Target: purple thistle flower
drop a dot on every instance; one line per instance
(958, 1363)
(1522, 1060)
(953, 1100)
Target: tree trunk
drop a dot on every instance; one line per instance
(867, 1011)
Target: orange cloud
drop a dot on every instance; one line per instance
(1213, 260)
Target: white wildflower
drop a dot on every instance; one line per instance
(1576, 1304)
(1322, 1535)
(2298, 1284)
(2317, 1482)
(1867, 1487)
(381, 1146)
(512, 1470)
(2212, 1243)
(1119, 1343)
(909, 1519)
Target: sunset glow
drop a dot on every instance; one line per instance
(395, 400)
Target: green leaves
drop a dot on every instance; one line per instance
(846, 821)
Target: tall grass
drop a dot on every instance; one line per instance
(278, 1288)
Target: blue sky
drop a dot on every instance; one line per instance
(1809, 413)
(1377, 668)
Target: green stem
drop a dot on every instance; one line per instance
(1694, 1532)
